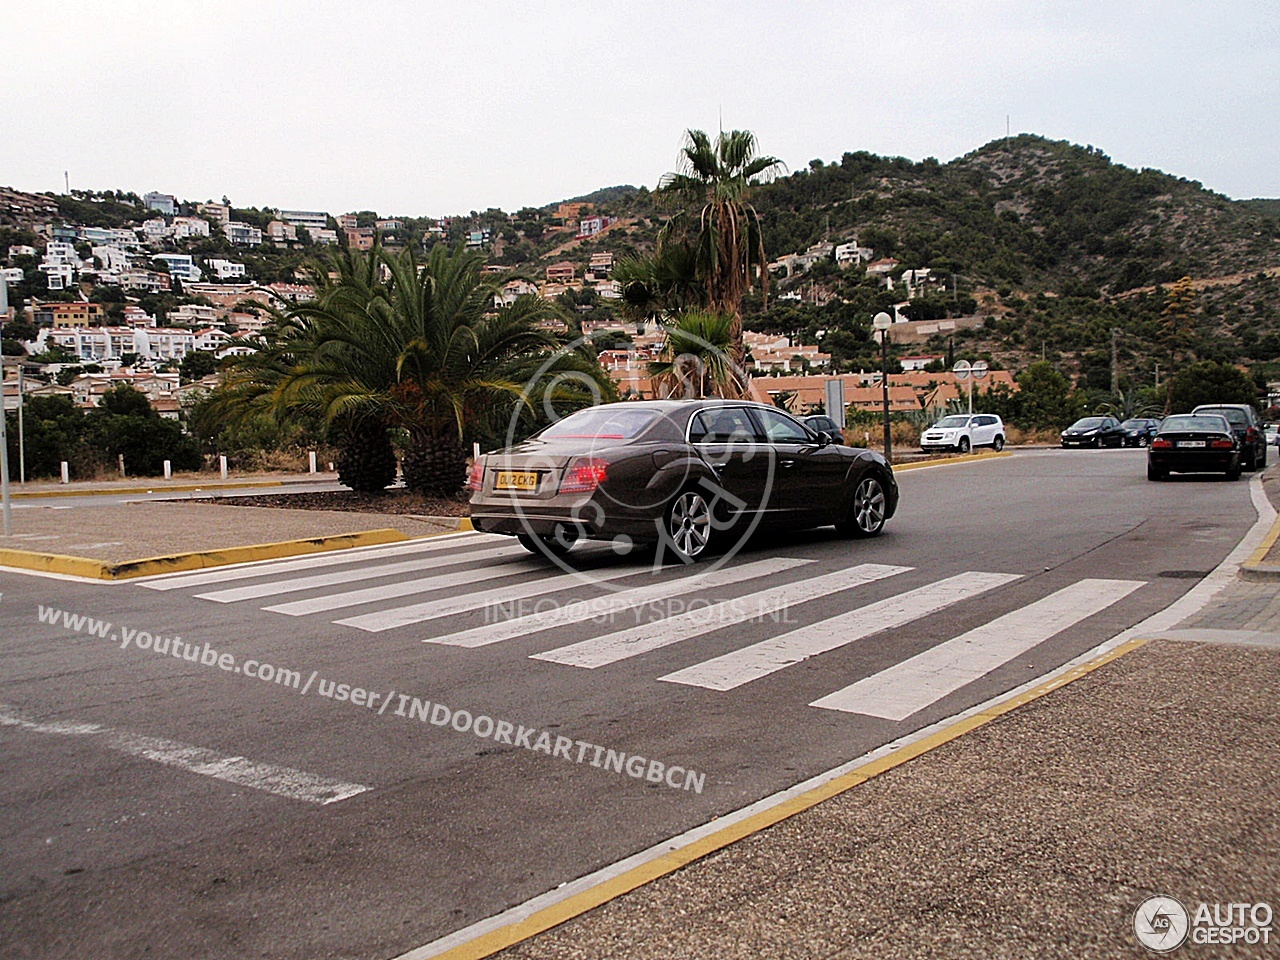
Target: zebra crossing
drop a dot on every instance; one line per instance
(447, 581)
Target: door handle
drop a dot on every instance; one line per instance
(788, 463)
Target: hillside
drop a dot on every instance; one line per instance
(1052, 246)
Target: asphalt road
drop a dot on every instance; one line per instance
(154, 806)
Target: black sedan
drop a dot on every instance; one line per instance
(1194, 443)
(1093, 432)
(1138, 431)
(686, 475)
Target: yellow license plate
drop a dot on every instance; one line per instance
(513, 480)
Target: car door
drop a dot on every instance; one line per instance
(808, 476)
(726, 440)
(984, 430)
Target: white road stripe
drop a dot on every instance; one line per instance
(274, 588)
(435, 609)
(910, 686)
(761, 659)
(405, 588)
(263, 568)
(610, 648)
(281, 781)
(608, 606)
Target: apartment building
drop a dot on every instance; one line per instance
(241, 234)
(225, 269)
(165, 203)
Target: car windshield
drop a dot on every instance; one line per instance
(1135, 424)
(1194, 423)
(1231, 413)
(1088, 423)
(601, 423)
(952, 422)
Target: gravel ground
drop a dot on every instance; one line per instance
(1037, 835)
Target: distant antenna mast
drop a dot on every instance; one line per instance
(66, 178)
(1006, 126)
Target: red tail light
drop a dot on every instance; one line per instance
(584, 475)
(475, 479)
(1221, 444)
(1159, 443)
(1250, 435)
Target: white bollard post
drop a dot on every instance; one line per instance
(222, 465)
(168, 470)
(66, 472)
(312, 457)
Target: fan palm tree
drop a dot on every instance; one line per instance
(695, 361)
(391, 342)
(727, 241)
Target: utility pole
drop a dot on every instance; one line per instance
(1115, 370)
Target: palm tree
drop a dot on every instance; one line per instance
(394, 343)
(727, 240)
(695, 361)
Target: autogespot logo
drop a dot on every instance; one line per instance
(1161, 924)
(673, 515)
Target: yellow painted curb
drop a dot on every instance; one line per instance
(490, 943)
(196, 560)
(1259, 555)
(964, 458)
(154, 488)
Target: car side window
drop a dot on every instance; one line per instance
(777, 427)
(722, 425)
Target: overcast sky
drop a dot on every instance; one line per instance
(446, 106)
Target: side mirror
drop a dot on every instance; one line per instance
(823, 440)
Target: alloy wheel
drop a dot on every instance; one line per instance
(689, 524)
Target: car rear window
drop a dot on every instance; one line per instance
(1231, 413)
(1192, 423)
(601, 423)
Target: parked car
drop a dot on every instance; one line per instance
(964, 431)
(1138, 431)
(1194, 443)
(678, 473)
(825, 426)
(1247, 426)
(1093, 432)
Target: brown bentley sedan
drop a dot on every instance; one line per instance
(686, 474)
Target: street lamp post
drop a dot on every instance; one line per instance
(882, 322)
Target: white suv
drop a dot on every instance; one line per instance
(963, 431)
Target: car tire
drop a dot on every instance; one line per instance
(867, 510)
(1143, 441)
(963, 445)
(1233, 473)
(687, 524)
(1249, 464)
(558, 545)
(1154, 474)
(998, 445)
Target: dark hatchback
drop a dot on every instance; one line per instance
(820, 423)
(679, 473)
(1194, 443)
(1093, 432)
(1247, 427)
(1138, 431)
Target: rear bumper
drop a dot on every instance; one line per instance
(1184, 461)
